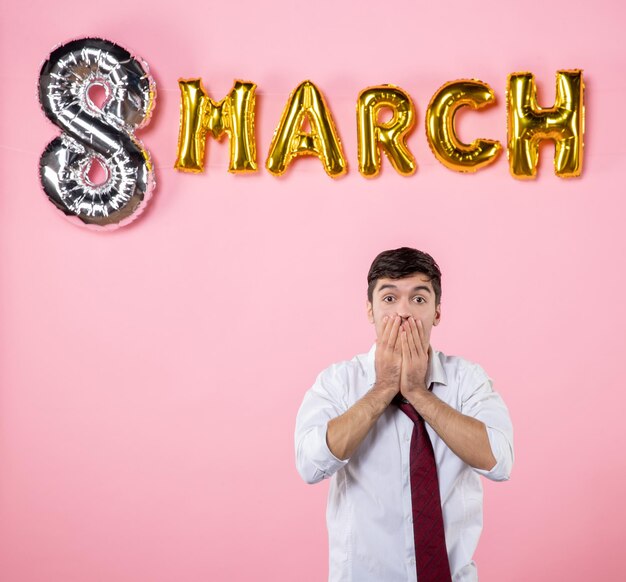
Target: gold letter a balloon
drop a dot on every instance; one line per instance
(306, 103)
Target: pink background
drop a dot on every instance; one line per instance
(150, 377)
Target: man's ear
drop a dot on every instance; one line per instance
(437, 315)
(370, 311)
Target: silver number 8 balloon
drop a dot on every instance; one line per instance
(90, 132)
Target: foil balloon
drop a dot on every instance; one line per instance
(441, 132)
(528, 124)
(306, 103)
(97, 134)
(389, 135)
(232, 116)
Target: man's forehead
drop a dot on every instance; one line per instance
(405, 283)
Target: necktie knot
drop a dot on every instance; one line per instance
(407, 408)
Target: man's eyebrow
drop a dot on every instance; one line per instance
(418, 288)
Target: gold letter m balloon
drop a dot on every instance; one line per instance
(233, 116)
(528, 124)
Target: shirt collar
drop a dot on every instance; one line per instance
(436, 374)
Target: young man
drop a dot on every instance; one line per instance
(404, 432)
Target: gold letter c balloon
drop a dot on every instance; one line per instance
(440, 129)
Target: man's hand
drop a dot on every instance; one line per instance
(346, 432)
(388, 360)
(414, 349)
(466, 436)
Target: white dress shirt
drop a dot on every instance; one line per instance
(369, 517)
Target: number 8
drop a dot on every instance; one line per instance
(92, 133)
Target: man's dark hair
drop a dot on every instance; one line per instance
(400, 263)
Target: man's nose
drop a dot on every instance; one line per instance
(403, 309)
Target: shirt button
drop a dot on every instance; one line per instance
(407, 437)
(409, 518)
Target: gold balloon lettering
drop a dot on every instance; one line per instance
(529, 124)
(307, 127)
(389, 135)
(232, 116)
(306, 104)
(441, 132)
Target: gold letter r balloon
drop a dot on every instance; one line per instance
(391, 135)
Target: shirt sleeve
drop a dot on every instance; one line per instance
(483, 403)
(321, 403)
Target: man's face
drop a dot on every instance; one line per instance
(411, 296)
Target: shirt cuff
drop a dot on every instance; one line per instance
(322, 463)
(503, 453)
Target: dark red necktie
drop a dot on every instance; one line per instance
(431, 556)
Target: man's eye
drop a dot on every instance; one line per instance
(388, 299)
(419, 300)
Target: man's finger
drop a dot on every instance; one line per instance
(406, 326)
(406, 351)
(413, 337)
(422, 336)
(385, 331)
(393, 334)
